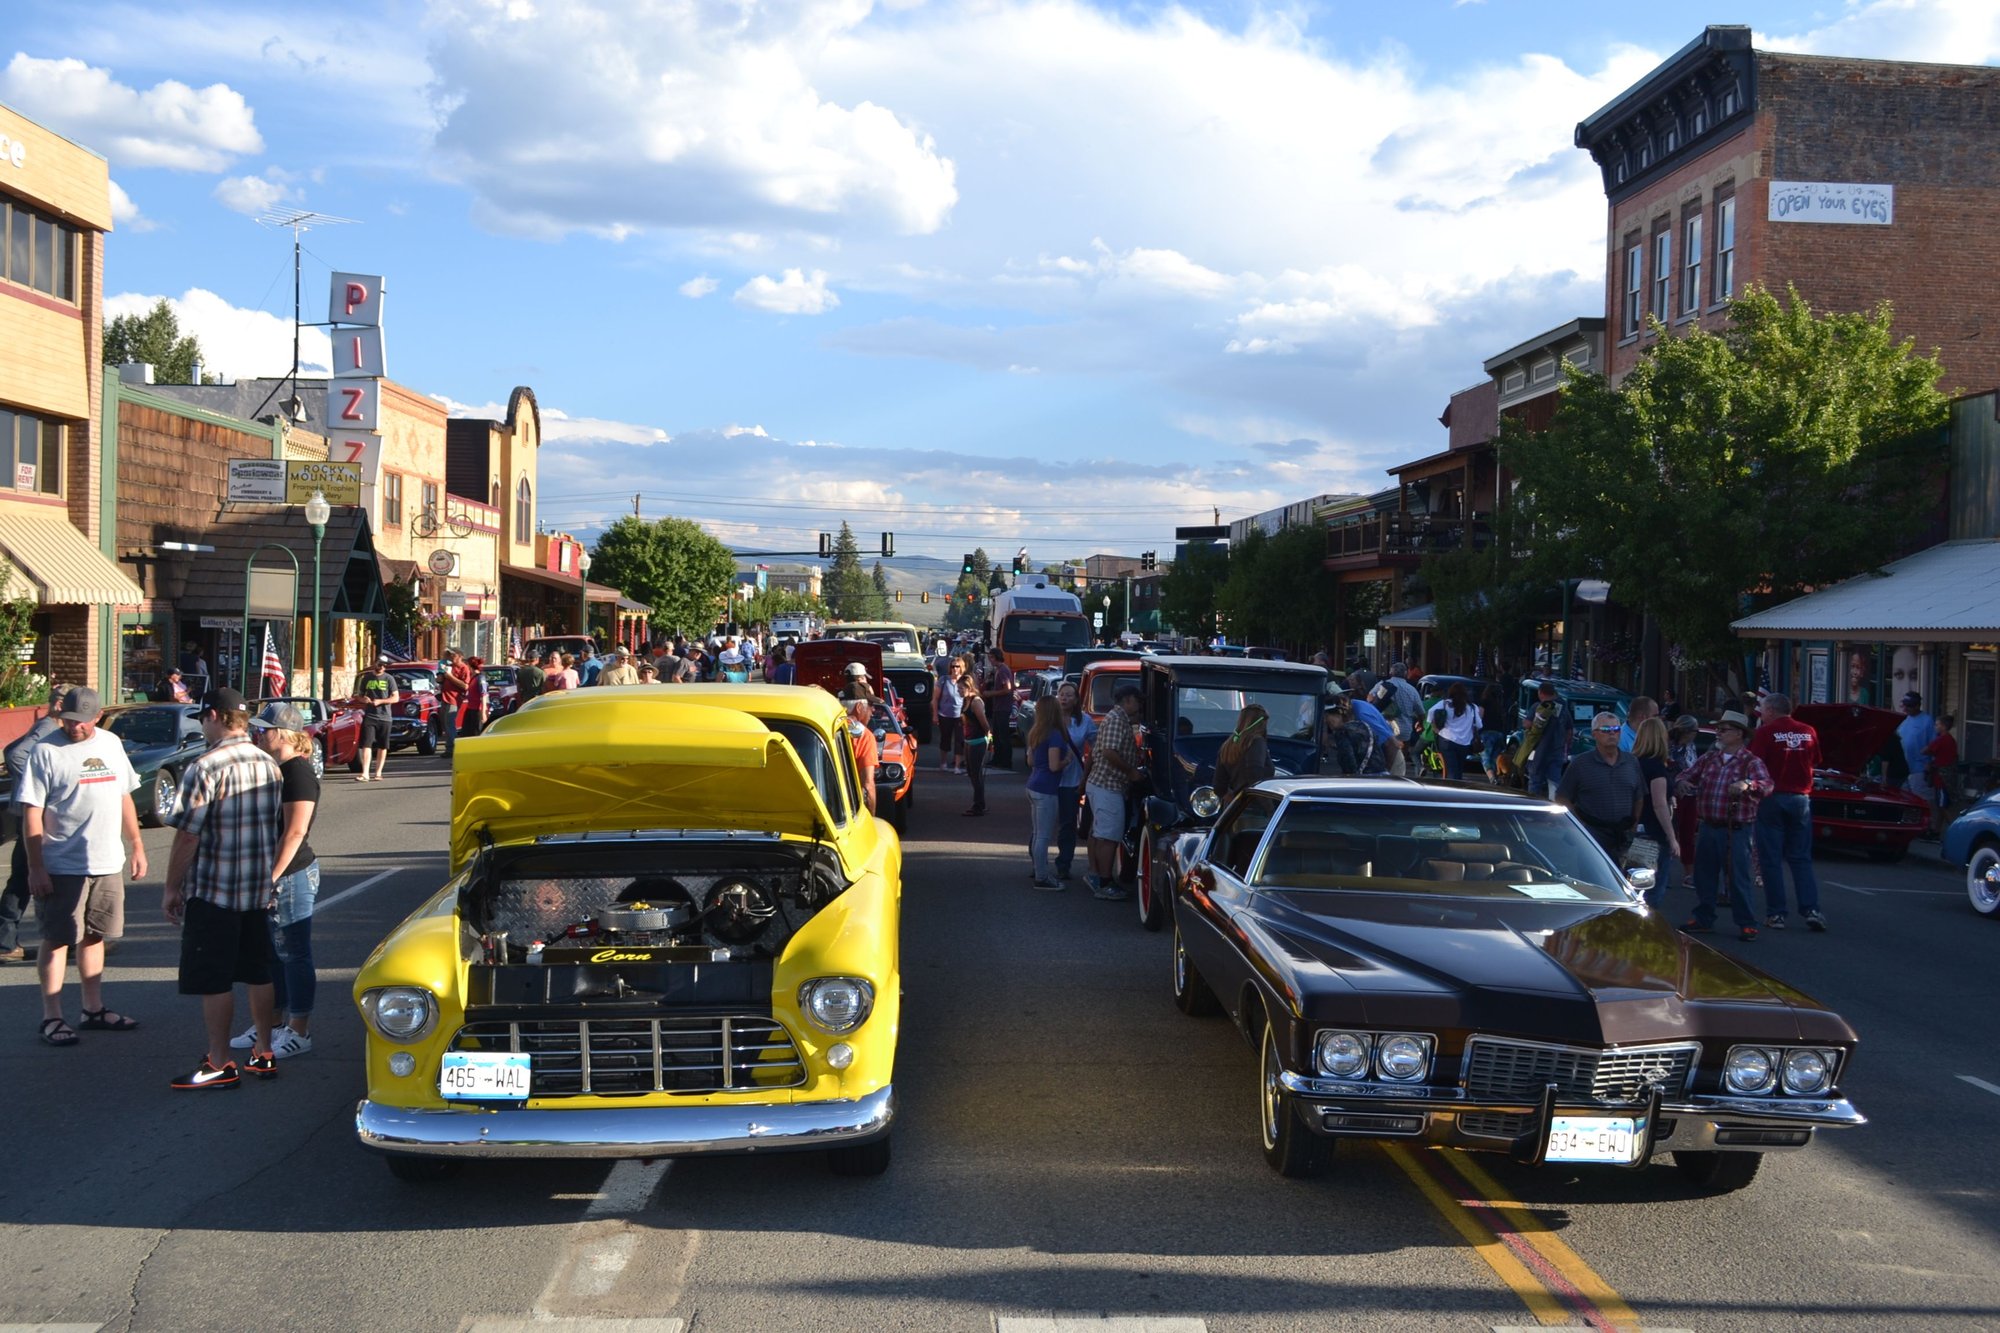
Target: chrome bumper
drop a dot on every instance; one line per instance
(1432, 1112)
(638, 1131)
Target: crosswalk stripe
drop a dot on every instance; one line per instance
(552, 1324)
(1097, 1324)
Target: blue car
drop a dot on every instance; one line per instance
(1973, 841)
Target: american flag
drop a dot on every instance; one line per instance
(273, 670)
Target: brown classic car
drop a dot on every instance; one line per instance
(1464, 967)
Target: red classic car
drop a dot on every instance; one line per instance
(335, 729)
(1849, 810)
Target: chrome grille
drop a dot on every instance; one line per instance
(1518, 1071)
(611, 1057)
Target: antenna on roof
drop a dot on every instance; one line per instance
(300, 220)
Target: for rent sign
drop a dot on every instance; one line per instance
(1833, 201)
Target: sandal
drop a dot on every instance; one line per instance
(107, 1020)
(56, 1032)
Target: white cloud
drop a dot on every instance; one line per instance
(167, 125)
(1956, 32)
(797, 293)
(730, 432)
(696, 288)
(251, 195)
(125, 214)
(235, 343)
(661, 114)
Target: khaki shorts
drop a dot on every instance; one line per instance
(82, 905)
(1107, 814)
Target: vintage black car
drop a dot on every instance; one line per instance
(160, 740)
(1190, 709)
(1464, 967)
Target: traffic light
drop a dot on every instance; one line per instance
(966, 568)
(925, 597)
(826, 546)
(947, 599)
(899, 594)
(1147, 560)
(1021, 561)
(888, 544)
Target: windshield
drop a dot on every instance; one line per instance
(1525, 854)
(811, 749)
(146, 726)
(1043, 634)
(503, 675)
(1210, 710)
(417, 682)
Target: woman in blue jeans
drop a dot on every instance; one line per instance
(280, 732)
(1081, 730)
(1048, 755)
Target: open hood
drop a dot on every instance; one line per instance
(647, 764)
(1849, 734)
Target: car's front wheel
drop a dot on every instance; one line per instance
(1153, 888)
(1982, 880)
(861, 1159)
(162, 794)
(422, 1170)
(1292, 1150)
(427, 741)
(1191, 994)
(1718, 1172)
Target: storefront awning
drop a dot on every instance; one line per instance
(51, 563)
(596, 592)
(1949, 593)
(1411, 618)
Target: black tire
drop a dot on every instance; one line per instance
(1982, 880)
(422, 1170)
(162, 793)
(899, 817)
(861, 1159)
(427, 741)
(354, 760)
(1155, 886)
(1191, 994)
(1292, 1150)
(1718, 1172)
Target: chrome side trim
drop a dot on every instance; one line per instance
(634, 1131)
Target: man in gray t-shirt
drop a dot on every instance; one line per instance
(14, 899)
(1604, 786)
(77, 819)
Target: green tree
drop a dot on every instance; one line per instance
(670, 564)
(18, 685)
(1189, 591)
(966, 611)
(155, 338)
(1786, 452)
(1278, 590)
(849, 591)
(1488, 595)
(761, 608)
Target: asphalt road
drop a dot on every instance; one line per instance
(1071, 1152)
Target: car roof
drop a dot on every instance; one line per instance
(794, 702)
(1232, 664)
(1400, 790)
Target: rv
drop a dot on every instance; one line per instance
(1035, 622)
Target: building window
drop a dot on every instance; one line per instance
(1578, 356)
(1725, 248)
(31, 450)
(430, 493)
(1725, 105)
(37, 251)
(524, 511)
(1691, 283)
(1514, 382)
(1635, 285)
(392, 499)
(1645, 154)
(1670, 140)
(1663, 273)
(1698, 121)
(1544, 371)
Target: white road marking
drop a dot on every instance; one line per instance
(362, 887)
(600, 1263)
(1980, 1083)
(628, 1187)
(584, 1324)
(50, 1328)
(1872, 890)
(1099, 1323)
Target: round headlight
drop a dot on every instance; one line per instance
(1806, 1071)
(837, 1004)
(402, 1013)
(840, 1055)
(1749, 1069)
(1342, 1055)
(1204, 802)
(1402, 1058)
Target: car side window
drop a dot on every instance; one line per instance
(819, 763)
(1234, 843)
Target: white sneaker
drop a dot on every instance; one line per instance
(285, 1042)
(245, 1039)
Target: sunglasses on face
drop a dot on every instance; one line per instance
(1607, 731)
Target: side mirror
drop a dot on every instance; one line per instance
(1641, 878)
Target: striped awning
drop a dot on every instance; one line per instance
(51, 563)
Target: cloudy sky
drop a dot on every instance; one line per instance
(1016, 271)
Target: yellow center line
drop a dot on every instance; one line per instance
(1566, 1261)
(1541, 1302)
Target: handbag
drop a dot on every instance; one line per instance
(1643, 853)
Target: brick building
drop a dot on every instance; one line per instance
(1857, 181)
(55, 530)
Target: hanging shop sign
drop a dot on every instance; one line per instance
(256, 481)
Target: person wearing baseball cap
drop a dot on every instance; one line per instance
(280, 731)
(77, 819)
(1917, 730)
(378, 691)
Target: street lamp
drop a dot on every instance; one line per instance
(318, 511)
(582, 590)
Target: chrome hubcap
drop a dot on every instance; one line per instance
(170, 794)
(1271, 1098)
(1983, 881)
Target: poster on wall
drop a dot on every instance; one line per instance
(1909, 673)
(1816, 676)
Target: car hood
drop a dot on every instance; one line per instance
(1585, 972)
(149, 755)
(549, 770)
(1849, 734)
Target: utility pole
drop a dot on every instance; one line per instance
(635, 504)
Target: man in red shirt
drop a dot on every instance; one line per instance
(1790, 749)
(454, 683)
(866, 753)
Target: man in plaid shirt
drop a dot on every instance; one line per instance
(221, 886)
(1728, 783)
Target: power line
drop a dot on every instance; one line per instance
(753, 502)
